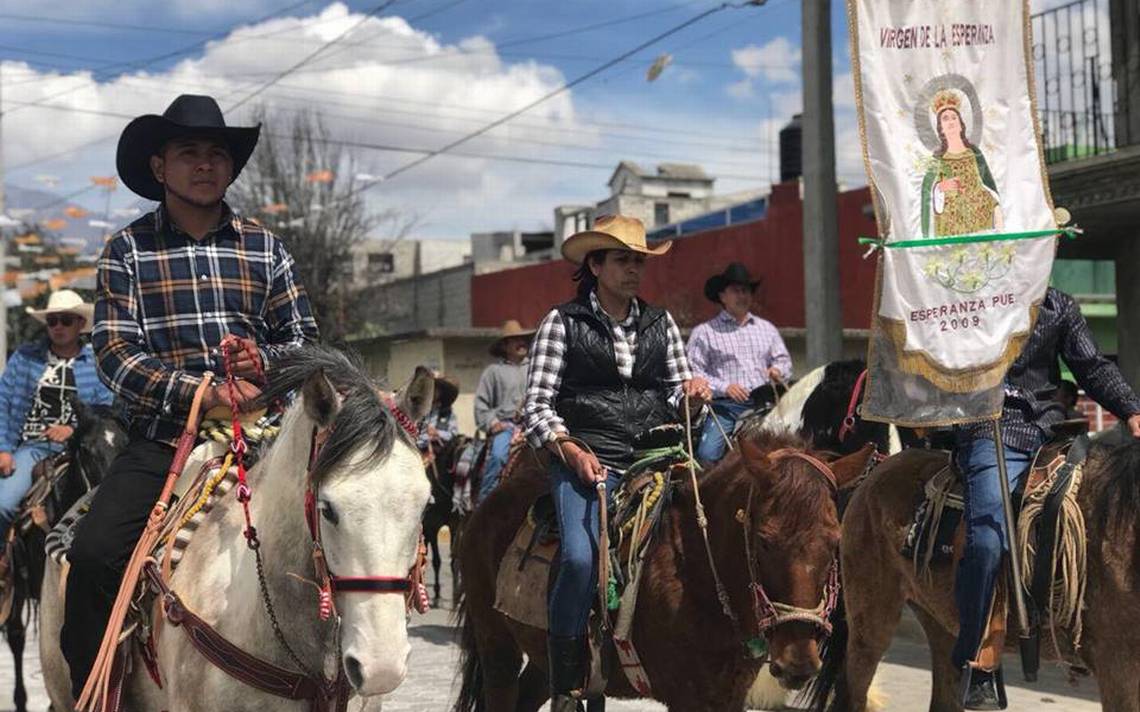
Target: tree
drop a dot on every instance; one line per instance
(300, 184)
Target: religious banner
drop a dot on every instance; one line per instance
(948, 125)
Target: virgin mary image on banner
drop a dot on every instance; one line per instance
(959, 194)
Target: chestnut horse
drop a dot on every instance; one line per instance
(693, 653)
(878, 581)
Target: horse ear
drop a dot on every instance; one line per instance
(848, 468)
(417, 398)
(321, 399)
(755, 459)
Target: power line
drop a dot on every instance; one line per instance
(549, 95)
(313, 55)
(43, 19)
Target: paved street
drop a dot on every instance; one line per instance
(903, 678)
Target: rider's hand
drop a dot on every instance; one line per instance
(433, 434)
(1134, 425)
(7, 464)
(698, 391)
(220, 395)
(498, 426)
(59, 433)
(245, 359)
(584, 463)
(775, 374)
(736, 392)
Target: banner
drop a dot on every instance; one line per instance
(948, 126)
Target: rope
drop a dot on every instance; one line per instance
(727, 439)
(1067, 593)
(702, 520)
(207, 490)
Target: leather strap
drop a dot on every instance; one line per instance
(370, 584)
(852, 405)
(818, 465)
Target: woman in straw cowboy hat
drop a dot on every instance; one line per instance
(499, 398)
(605, 367)
(37, 390)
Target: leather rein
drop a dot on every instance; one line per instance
(852, 408)
(323, 695)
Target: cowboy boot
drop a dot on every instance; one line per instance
(567, 658)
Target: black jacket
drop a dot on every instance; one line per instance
(596, 403)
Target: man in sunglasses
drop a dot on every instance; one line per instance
(42, 380)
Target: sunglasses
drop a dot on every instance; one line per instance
(60, 319)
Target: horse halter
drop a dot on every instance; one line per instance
(329, 584)
(769, 613)
(852, 408)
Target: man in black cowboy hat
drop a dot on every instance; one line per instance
(171, 286)
(736, 352)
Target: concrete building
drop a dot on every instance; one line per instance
(673, 192)
(378, 261)
(498, 250)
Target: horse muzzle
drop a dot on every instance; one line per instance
(795, 664)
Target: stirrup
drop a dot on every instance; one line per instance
(982, 689)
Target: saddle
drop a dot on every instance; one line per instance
(1049, 531)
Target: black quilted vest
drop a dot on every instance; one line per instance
(597, 405)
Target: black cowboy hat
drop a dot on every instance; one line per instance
(188, 115)
(735, 273)
(447, 389)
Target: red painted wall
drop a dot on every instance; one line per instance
(770, 248)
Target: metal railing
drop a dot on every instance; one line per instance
(1085, 85)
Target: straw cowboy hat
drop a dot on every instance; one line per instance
(188, 115)
(66, 301)
(511, 328)
(735, 273)
(610, 232)
(446, 389)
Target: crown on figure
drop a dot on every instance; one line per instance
(945, 99)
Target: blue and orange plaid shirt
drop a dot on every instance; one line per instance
(165, 301)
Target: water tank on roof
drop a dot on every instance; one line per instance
(791, 150)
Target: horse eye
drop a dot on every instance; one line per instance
(328, 513)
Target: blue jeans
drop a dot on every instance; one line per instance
(727, 412)
(498, 452)
(13, 487)
(985, 538)
(575, 585)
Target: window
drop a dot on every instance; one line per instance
(382, 262)
(661, 214)
(678, 194)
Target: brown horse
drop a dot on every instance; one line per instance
(692, 652)
(878, 581)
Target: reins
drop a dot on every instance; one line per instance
(848, 425)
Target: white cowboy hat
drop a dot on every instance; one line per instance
(65, 301)
(611, 232)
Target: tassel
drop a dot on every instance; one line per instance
(326, 603)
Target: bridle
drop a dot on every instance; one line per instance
(329, 584)
(852, 408)
(768, 613)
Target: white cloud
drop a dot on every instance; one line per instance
(776, 61)
(741, 89)
(400, 87)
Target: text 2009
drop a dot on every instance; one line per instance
(965, 322)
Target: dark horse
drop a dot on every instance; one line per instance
(441, 511)
(781, 509)
(98, 437)
(878, 582)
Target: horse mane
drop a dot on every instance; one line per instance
(797, 494)
(362, 418)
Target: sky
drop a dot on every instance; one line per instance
(418, 75)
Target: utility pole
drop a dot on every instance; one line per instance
(823, 317)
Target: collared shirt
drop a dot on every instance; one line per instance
(725, 351)
(1030, 411)
(166, 300)
(544, 379)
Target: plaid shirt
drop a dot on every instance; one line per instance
(165, 300)
(1030, 411)
(544, 378)
(725, 352)
(446, 425)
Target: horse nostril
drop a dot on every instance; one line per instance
(353, 671)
